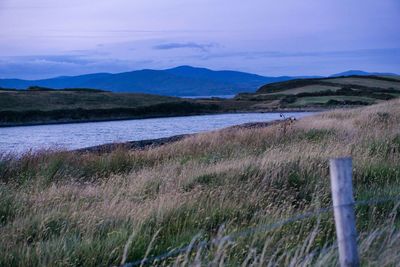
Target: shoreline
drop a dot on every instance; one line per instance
(157, 142)
(24, 124)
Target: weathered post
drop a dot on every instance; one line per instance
(341, 171)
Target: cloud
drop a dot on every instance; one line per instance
(389, 52)
(62, 59)
(192, 45)
(120, 58)
(46, 66)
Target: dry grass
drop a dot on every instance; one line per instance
(70, 209)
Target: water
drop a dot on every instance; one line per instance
(79, 135)
(209, 96)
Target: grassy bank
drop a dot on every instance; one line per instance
(85, 209)
(43, 106)
(37, 98)
(169, 109)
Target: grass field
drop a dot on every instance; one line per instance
(74, 105)
(25, 100)
(326, 92)
(310, 89)
(368, 81)
(88, 209)
(322, 100)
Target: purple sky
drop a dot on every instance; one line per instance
(45, 38)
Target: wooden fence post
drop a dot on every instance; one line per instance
(341, 171)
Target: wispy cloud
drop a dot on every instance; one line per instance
(393, 52)
(46, 66)
(65, 59)
(191, 45)
(272, 63)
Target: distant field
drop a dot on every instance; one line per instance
(324, 99)
(52, 106)
(310, 88)
(325, 92)
(393, 77)
(67, 99)
(371, 82)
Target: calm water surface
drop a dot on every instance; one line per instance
(209, 96)
(79, 135)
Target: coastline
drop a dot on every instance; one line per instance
(157, 142)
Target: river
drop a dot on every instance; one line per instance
(17, 140)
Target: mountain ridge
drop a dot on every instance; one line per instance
(179, 81)
(362, 73)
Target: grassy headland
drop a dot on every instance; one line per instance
(326, 92)
(42, 105)
(91, 209)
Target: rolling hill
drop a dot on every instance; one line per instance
(69, 99)
(43, 105)
(179, 81)
(325, 92)
(362, 73)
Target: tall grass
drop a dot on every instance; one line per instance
(61, 208)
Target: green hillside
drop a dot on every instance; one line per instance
(46, 99)
(43, 105)
(326, 92)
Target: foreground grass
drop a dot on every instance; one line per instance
(71, 209)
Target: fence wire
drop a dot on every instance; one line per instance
(257, 229)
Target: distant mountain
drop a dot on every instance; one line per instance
(361, 73)
(179, 81)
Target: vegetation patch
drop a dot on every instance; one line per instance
(326, 92)
(316, 135)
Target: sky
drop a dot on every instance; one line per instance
(47, 38)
